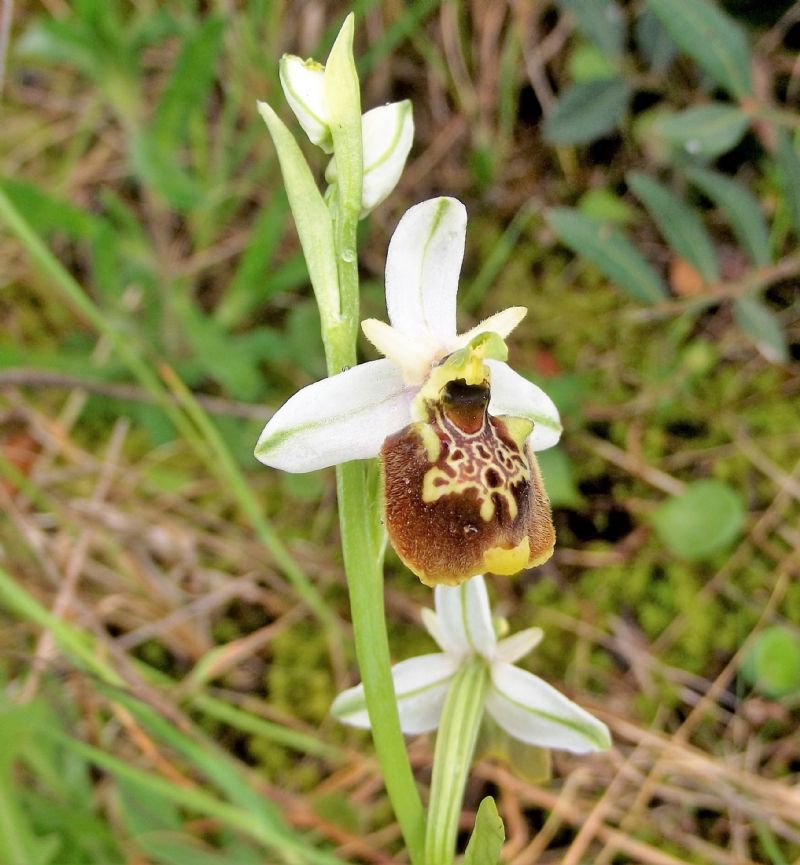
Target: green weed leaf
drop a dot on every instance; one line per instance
(157, 168)
(609, 251)
(679, 224)
(559, 478)
(711, 38)
(187, 88)
(704, 131)
(656, 45)
(487, 837)
(705, 518)
(773, 662)
(758, 321)
(600, 21)
(587, 111)
(789, 170)
(741, 209)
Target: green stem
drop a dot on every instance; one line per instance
(455, 745)
(365, 584)
(362, 559)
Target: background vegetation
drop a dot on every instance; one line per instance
(174, 623)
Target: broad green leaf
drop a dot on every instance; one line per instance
(487, 837)
(609, 251)
(587, 63)
(678, 223)
(311, 216)
(704, 519)
(742, 210)
(711, 38)
(654, 42)
(603, 204)
(789, 167)
(600, 21)
(587, 111)
(703, 131)
(189, 84)
(773, 662)
(559, 478)
(758, 321)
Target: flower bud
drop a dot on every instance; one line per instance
(303, 83)
(387, 134)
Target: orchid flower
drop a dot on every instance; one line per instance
(456, 428)
(387, 132)
(523, 705)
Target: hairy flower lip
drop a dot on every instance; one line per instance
(349, 416)
(523, 705)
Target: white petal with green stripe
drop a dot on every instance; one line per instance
(422, 268)
(421, 687)
(344, 417)
(531, 710)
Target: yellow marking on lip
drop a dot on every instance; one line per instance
(506, 562)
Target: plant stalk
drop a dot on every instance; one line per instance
(455, 745)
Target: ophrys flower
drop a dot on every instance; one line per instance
(523, 705)
(455, 426)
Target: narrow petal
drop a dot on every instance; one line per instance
(465, 618)
(501, 323)
(518, 645)
(529, 709)
(303, 83)
(345, 417)
(516, 396)
(413, 356)
(423, 266)
(420, 685)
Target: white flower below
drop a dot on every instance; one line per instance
(523, 705)
(348, 416)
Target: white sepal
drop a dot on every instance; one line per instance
(465, 618)
(303, 83)
(345, 417)
(388, 133)
(516, 396)
(422, 269)
(529, 709)
(420, 685)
